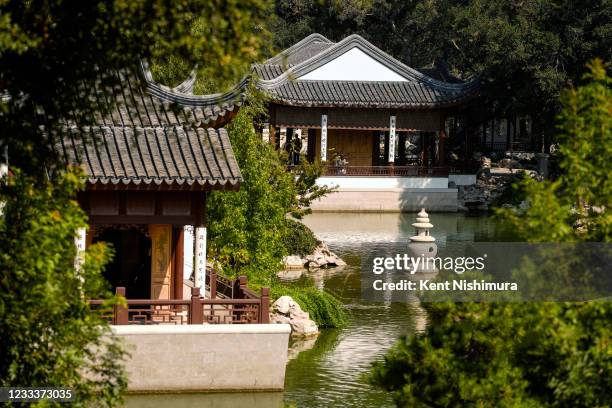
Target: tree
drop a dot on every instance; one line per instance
(526, 354)
(51, 338)
(583, 191)
(252, 229)
(59, 61)
(249, 229)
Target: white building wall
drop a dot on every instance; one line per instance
(389, 194)
(354, 65)
(381, 183)
(207, 357)
(462, 179)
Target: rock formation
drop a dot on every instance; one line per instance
(287, 310)
(322, 257)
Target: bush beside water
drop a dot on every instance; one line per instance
(325, 309)
(298, 238)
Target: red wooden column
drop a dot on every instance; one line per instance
(196, 314)
(161, 261)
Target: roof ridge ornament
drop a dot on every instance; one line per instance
(235, 95)
(283, 55)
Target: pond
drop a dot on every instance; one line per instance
(330, 371)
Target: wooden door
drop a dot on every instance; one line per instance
(161, 260)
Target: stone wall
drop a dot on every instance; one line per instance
(220, 357)
(389, 200)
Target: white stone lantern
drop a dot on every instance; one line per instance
(422, 227)
(423, 244)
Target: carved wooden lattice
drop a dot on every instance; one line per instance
(158, 314)
(231, 313)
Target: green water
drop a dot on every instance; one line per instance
(329, 372)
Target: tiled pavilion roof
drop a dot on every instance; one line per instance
(155, 138)
(279, 77)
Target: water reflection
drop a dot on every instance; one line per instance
(331, 374)
(208, 400)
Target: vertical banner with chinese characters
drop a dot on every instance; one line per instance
(80, 241)
(200, 258)
(392, 139)
(323, 138)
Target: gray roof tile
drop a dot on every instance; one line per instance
(155, 137)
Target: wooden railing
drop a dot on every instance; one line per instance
(220, 285)
(397, 171)
(245, 307)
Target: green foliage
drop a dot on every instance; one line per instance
(249, 231)
(51, 337)
(299, 239)
(246, 228)
(306, 175)
(527, 354)
(233, 35)
(512, 191)
(580, 195)
(503, 355)
(323, 307)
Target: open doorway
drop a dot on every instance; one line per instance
(131, 265)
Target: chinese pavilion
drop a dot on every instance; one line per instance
(351, 98)
(150, 162)
(365, 114)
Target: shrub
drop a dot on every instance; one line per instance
(298, 238)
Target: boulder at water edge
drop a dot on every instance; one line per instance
(287, 310)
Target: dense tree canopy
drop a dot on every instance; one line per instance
(574, 207)
(526, 52)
